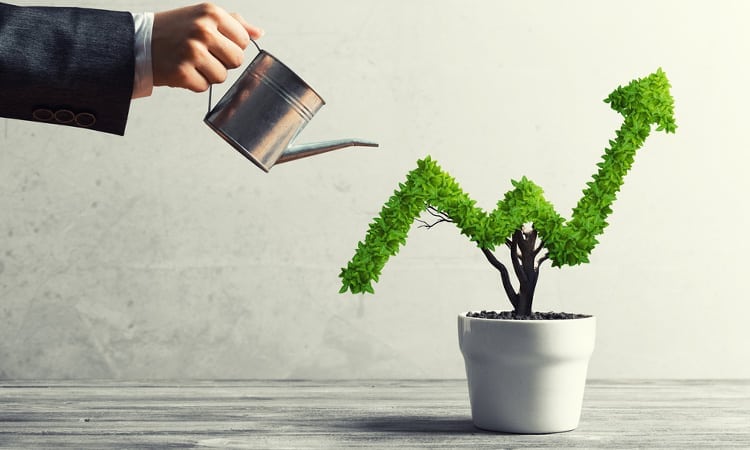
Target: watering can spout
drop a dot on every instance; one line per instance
(315, 148)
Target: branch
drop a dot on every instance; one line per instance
(541, 260)
(515, 257)
(539, 249)
(527, 244)
(437, 213)
(504, 275)
(434, 212)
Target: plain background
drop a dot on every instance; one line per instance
(165, 254)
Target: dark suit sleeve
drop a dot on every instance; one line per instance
(69, 66)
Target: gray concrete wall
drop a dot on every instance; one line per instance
(165, 254)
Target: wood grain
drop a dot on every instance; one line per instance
(346, 414)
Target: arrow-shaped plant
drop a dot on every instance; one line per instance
(524, 221)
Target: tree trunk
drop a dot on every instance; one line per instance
(523, 253)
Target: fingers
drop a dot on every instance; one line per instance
(194, 80)
(232, 29)
(253, 31)
(226, 51)
(212, 71)
(193, 47)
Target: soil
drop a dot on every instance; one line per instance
(511, 315)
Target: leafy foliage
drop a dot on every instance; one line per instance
(642, 102)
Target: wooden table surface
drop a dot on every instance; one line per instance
(347, 414)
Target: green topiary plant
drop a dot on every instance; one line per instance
(524, 220)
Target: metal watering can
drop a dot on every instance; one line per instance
(265, 109)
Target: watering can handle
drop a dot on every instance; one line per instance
(210, 86)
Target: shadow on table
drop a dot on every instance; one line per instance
(414, 424)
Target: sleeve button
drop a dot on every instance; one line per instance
(64, 116)
(42, 114)
(85, 119)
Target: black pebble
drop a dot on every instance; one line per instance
(511, 315)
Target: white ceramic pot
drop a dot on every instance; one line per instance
(526, 376)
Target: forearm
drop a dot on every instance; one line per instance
(60, 65)
(74, 60)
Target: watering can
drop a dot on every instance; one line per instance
(264, 111)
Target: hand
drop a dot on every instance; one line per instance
(193, 47)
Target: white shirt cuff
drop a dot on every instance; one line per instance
(143, 82)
